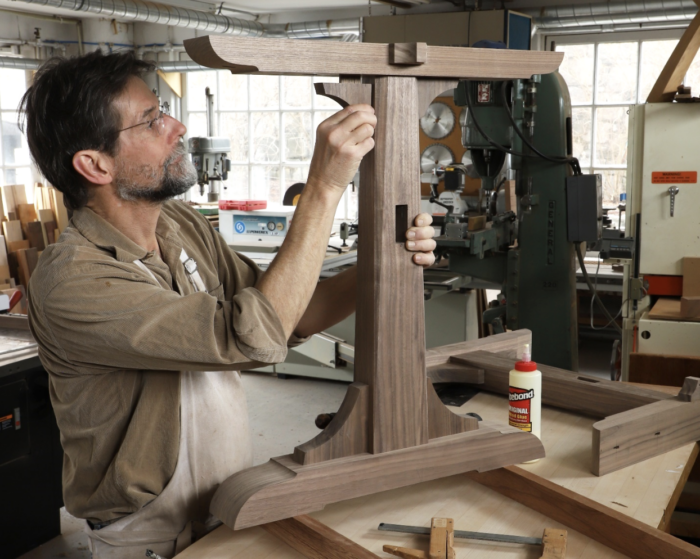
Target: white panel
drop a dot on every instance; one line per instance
(667, 337)
(671, 143)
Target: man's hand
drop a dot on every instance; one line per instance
(420, 240)
(341, 142)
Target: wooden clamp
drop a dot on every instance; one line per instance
(392, 430)
(442, 536)
(408, 53)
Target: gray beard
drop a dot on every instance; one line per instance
(146, 184)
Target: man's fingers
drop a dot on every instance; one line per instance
(423, 219)
(348, 112)
(420, 233)
(424, 259)
(421, 246)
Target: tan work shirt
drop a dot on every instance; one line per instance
(114, 340)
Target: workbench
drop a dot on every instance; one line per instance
(646, 492)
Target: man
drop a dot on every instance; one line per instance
(142, 312)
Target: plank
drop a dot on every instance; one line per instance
(669, 309)
(13, 246)
(510, 343)
(27, 259)
(50, 230)
(35, 235)
(282, 488)
(13, 231)
(315, 540)
(26, 213)
(408, 53)
(691, 276)
(676, 498)
(4, 264)
(46, 217)
(582, 394)
(59, 209)
(388, 358)
(603, 524)
(669, 370)
(245, 55)
(635, 435)
(455, 373)
(677, 66)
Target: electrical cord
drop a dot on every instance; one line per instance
(575, 166)
(593, 290)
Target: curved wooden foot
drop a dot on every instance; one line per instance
(346, 435)
(442, 421)
(282, 488)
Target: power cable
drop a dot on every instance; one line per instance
(593, 290)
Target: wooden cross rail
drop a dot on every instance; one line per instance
(392, 430)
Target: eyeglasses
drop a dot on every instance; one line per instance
(158, 123)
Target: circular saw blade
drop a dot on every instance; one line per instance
(438, 121)
(436, 155)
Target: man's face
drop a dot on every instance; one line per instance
(151, 163)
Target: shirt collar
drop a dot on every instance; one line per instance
(104, 235)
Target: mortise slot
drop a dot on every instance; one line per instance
(657, 433)
(616, 447)
(594, 381)
(401, 223)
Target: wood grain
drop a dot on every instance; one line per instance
(408, 53)
(635, 435)
(27, 259)
(443, 422)
(59, 209)
(509, 344)
(282, 488)
(346, 93)
(553, 544)
(346, 435)
(13, 231)
(245, 55)
(677, 66)
(669, 370)
(35, 235)
(13, 246)
(590, 396)
(389, 333)
(315, 540)
(603, 524)
(669, 309)
(676, 497)
(26, 213)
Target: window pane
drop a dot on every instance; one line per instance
(577, 70)
(15, 150)
(266, 137)
(196, 125)
(293, 175)
(614, 183)
(297, 136)
(197, 82)
(235, 127)
(14, 84)
(21, 175)
(611, 136)
(617, 73)
(581, 125)
(264, 92)
(297, 91)
(654, 57)
(236, 187)
(266, 183)
(233, 91)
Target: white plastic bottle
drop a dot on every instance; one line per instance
(525, 395)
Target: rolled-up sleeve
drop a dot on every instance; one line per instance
(115, 319)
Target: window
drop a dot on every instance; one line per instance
(271, 122)
(15, 163)
(604, 79)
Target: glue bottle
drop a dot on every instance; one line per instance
(525, 395)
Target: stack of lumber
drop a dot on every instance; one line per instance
(27, 229)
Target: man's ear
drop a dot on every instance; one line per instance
(94, 165)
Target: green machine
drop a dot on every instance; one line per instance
(526, 251)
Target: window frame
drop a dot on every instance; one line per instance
(347, 209)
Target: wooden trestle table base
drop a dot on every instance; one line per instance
(646, 492)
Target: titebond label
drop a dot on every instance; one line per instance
(519, 409)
